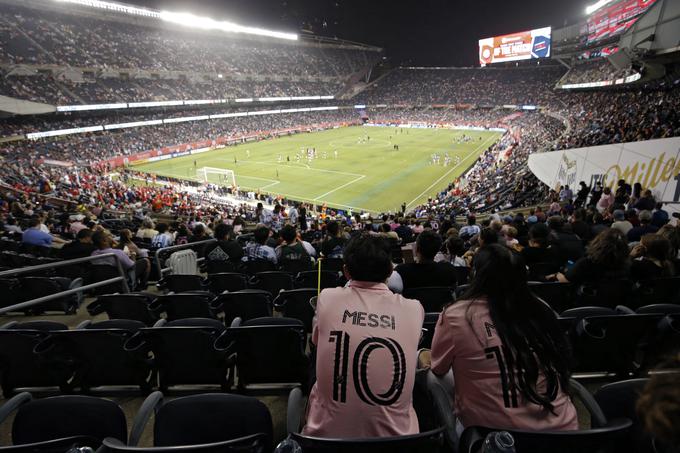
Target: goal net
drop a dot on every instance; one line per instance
(216, 176)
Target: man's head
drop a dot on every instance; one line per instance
(471, 219)
(102, 240)
(427, 245)
(538, 235)
(619, 215)
(368, 258)
(333, 228)
(555, 223)
(645, 217)
(84, 236)
(162, 228)
(261, 234)
(223, 232)
(288, 233)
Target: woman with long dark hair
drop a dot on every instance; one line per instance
(509, 357)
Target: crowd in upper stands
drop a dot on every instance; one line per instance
(596, 70)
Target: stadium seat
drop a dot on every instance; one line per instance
(656, 291)
(253, 267)
(216, 267)
(560, 296)
(184, 305)
(183, 352)
(10, 288)
(272, 281)
(296, 304)
(19, 366)
(618, 400)
(210, 418)
(180, 283)
(60, 422)
(295, 266)
(101, 272)
(310, 279)
(247, 304)
(605, 293)
(38, 287)
(278, 342)
(538, 271)
(227, 281)
(433, 299)
(94, 355)
(133, 306)
(462, 275)
(428, 330)
(331, 264)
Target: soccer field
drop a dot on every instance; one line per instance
(368, 174)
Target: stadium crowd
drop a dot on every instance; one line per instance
(595, 70)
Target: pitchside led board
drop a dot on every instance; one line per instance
(524, 45)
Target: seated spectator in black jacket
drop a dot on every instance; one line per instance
(538, 250)
(226, 253)
(567, 246)
(579, 225)
(646, 202)
(651, 258)
(425, 271)
(646, 227)
(606, 258)
(333, 244)
(80, 248)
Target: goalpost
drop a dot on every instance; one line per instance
(224, 175)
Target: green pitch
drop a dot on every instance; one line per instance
(367, 174)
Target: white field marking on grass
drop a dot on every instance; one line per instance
(309, 168)
(340, 187)
(269, 185)
(452, 169)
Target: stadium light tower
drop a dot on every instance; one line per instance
(592, 8)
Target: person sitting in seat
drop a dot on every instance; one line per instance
(104, 243)
(651, 258)
(292, 248)
(367, 340)
(425, 271)
(80, 248)
(508, 354)
(223, 252)
(334, 242)
(257, 249)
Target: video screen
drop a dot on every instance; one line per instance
(524, 45)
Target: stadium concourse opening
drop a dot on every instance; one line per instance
(358, 169)
(234, 226)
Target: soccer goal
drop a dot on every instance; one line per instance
(216, 176)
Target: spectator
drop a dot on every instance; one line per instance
(199, 234)
(104, 245)
(659, 406)
(292, 248)
(621, 223)
(606, 258)
(334, 242)
(147, 231)
(224, 254)
(538, 250)
(139, 255)
(659, 216)
(164, 238)
(257, 248)
(507, 351)
(471, 229)
(566, 194)
(35, 236)
(455, 249)
(566, 245)
(356, 319)
(646, 227)
(80, 248)
(425, 271)
(582, 195)
(77, 224)
(605, 201)
(646, 202)
(651, 258)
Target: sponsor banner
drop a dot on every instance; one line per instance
(655, 164)
(616, 19)
(524, 45)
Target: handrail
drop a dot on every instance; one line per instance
(122, 278)
(160, 261)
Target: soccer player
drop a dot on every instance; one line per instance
(366, 339)
(248, 153)
(336, 153)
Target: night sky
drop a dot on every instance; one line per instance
(418, 33)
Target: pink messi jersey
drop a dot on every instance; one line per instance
(466, 341)
(367, 341)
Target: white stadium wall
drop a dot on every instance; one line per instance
(655, 164)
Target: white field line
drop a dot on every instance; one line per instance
(493, 137)
(341, 187)
(270, 185)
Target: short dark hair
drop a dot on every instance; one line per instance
(261, 234)
(83, 234)
(99, 238)
(333, 227)
(368, 258)
(428, 244)
(33, 222)
(488, 236)
(223, 231)
(162, 228)
(539, 233)
(288, 233)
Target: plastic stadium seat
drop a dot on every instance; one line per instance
(45, 424)
(246, 304)
(183, 352)
(19, 366)
(665, 342)
(429, 441)
(205, 419)
(248, 444)
(183, 305)
(94, 356)
(310, 279)
(295, 266)
(462, 275)
(215, 267)
(272, 281)
(252, 267)
(101, 272)
(37, 287)
(180, 283)
(125, 306)
(605, 293)
(296, 304)
(656, 291)
(331, 264)
(279, 343)
(560, 296)
(664, 309)
(10, 288)
(227, 281)
(618, 400)
(433, 299)
(538, 271)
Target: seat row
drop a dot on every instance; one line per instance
(115, 355)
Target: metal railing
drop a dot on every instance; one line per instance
(163, 254)
(122, 278)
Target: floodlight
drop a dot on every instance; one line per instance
(118, 7)
(592, 8)
(207, 23)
